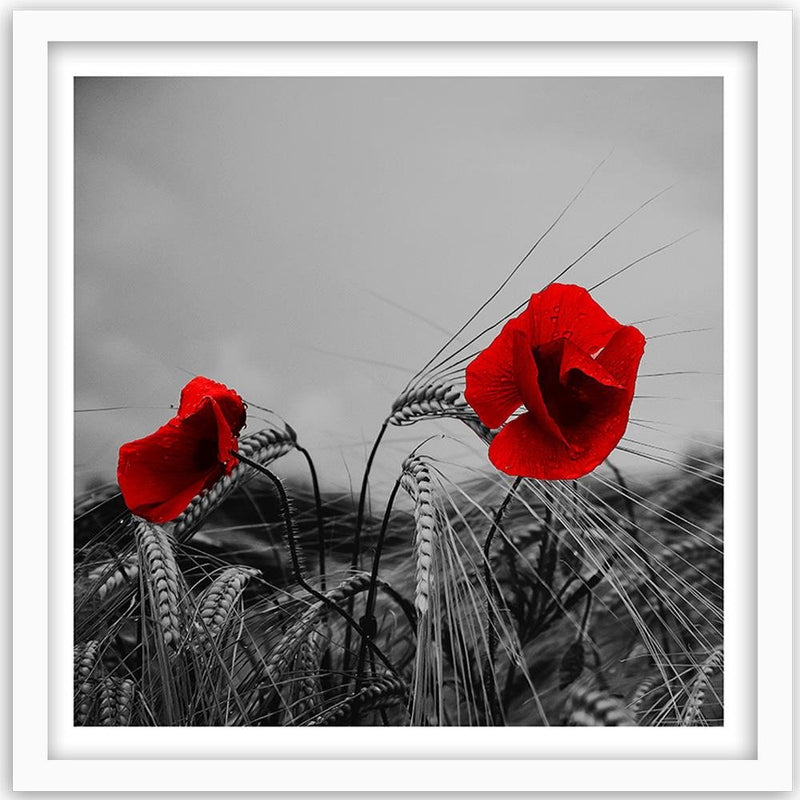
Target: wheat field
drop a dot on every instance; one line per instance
(600, 605)
(449, 594)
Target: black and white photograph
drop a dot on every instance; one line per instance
(398, 401)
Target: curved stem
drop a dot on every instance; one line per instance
(356, 558)
(362, 498)
(491, 592)
(318, 508)
(368, 620)
(585, 619)
(298, 575)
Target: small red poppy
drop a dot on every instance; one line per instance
(160, 474)
(573, 368)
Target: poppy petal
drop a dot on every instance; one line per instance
(571, 358)
(199, 388)
(621, 356)
(526, 374)
(606, 420)
(226, 441)
(565, 311)
(491, 388)
(524, 447)
(592, 441)
(161, 473)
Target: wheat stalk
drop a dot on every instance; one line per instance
(163, 578)
(263, 447)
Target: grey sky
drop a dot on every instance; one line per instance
(248, 229)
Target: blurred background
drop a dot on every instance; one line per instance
(310, 242)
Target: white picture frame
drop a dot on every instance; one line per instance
(752, 51)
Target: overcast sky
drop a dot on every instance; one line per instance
(307, 240)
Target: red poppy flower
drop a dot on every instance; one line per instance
(159, 474)
(573, 368)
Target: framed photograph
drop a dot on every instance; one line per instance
(412, 396)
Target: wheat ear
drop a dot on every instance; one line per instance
(115, 701)
(427, 402)
(307, 666)
(645, 688)
(111, 576)
(382, 692)
(220, 598)
(262, 447)
(85, 663)
(163, 578)
(595, 707)
(416, 480)
(697, 695)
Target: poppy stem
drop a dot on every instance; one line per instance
(368, 620)
(318, 508)
(362, 498)
(492, 596)
(298, 574)
(356, 558)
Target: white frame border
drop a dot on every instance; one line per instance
(33, 33)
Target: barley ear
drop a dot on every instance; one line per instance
(85, 677)
(692, 712)
(416, 480)
(308, 685)
(162, 579)
(436, 400)
(111, 576)
(220, 599)
(115, 702)
(383, 692)
(590, 707)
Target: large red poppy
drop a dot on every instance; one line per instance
(160, 474)
(573, 369)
